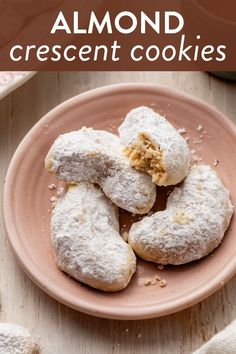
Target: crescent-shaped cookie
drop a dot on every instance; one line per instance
(15, 339)
(86, 239)
(193, 224)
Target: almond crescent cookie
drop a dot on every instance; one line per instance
(197, 215)
(86, 239)
(154, 146)
(15, 339)
(95, 156)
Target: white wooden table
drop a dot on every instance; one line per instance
(65, 331)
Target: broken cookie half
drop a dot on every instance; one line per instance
(154, 146)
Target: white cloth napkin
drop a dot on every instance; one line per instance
(223, 342)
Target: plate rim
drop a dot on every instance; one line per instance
(142, 312)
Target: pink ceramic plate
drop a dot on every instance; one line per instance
(27, 202)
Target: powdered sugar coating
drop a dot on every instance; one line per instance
(95, 156)
(193, 224)
(176, 154)
(15, 339)
(86, 239)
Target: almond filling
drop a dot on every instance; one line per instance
(147, 157)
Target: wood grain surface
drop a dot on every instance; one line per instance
(65, 331)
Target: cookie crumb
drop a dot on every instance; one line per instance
(195, 159)
(53, 199)
(139, 335)
(197, 141)
(163, 283)
(193, 152)
(199, 128)
(152, 281)
(157, 277)
(216, 162)
(127, 330)
(187, 138)
(147, 281)
(160, 266)
(182, 131)
(52, 186)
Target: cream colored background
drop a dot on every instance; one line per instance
(65, 331)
